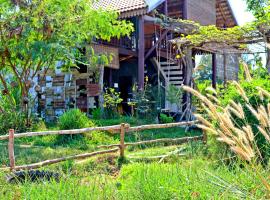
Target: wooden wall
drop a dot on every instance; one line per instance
(232, 67)
(202, 11)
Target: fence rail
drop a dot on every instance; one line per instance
(122, 129)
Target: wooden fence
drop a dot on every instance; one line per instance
(122, 129)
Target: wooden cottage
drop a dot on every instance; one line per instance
(147, 52)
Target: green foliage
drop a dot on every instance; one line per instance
(164, 119)
(204, 34)
(97, 113)
(232, 93)
(257, 7)
(11, 117)
(204, 71)
(74, 119)
(36, 34)
(147, 101)
(174, 95)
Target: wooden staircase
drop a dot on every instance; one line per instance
(171, 71)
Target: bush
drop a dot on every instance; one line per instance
(97, 113)
(251, 90)
(11, 116)
(164, 119)
(73, 119)
(12, 120)
(236, 105)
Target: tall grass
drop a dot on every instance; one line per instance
(185, 179)
(230, 126)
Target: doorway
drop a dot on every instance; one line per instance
(125, 88)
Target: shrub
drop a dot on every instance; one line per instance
(164, 119)
(97, 113)
(11, 116)
(73, 119)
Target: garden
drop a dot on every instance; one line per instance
(219, 148)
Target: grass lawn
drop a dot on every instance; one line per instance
(177, 178)
(159, 171)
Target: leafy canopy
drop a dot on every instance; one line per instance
(36, 34)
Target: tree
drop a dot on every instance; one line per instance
(260, 9)
(35, 34)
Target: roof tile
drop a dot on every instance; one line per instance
(121, 5)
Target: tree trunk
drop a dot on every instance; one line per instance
(101, 87)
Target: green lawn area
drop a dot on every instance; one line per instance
(177, 178)
(160, 171)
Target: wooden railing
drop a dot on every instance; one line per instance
(122, 129)
(129, 43)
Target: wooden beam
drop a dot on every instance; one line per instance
(58, 160)
(214, 70)
(141, 52)
(127, 52)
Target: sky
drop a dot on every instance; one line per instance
(240, 11)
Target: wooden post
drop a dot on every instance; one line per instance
(122, 140)
(225, 68)
(185, 9)
(141, 53)
(166, 8)
(11, 149)
(188, 70)
(214, 70)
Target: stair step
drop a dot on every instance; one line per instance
(167, 63)
(174, 73)
(170, 67)
(177, 83)
(176, 78)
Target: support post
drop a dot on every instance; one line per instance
(122, 140)
(225, 68)
(11, 149)
(214, 70)
(166, 7)
(185, 8)
(141, 53)
(188, 69)
(101, 88)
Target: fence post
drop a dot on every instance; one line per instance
(122, 140)
(11, 149)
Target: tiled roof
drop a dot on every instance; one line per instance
(127, 8)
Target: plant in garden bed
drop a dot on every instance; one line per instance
(146, 102)
(112, 100)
